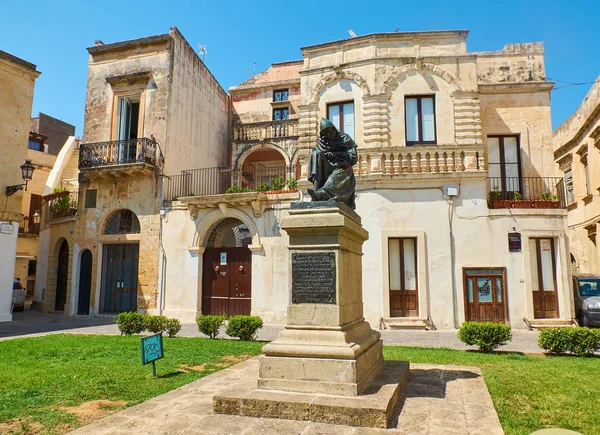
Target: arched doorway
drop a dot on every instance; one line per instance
(264, 169)
(120, 265)
(227, 269)
(85, 283)
(62, 277)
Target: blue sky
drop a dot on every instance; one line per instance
(245, 36)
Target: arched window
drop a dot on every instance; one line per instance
(122, 222)
(229, 233)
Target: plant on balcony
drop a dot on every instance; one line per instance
(237, 189)
(292, 184)
(495, 199)
(519, 202)
(264, 187)
(548, 201)
(63, 205)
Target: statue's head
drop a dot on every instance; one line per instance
(328, 130)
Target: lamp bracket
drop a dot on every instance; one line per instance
(11, 190)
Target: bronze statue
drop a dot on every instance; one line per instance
(331, 164)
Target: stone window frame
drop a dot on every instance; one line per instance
(565, 165)
(582, 152)
(129, 85)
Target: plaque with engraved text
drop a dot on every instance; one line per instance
(313, 278)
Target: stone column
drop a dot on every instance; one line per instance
(327, 347)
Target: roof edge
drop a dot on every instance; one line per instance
(98, 49)
(18, 61)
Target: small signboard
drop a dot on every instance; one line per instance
(223, 258)
(152, 350)
(6, 228)
(514, 242)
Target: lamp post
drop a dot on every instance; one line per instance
(26, 174)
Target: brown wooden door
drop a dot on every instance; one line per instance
(226, 281)
(543, 268)
(404, 301)
(485, 296)
(62, 277)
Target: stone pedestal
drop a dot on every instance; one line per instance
(328, 355)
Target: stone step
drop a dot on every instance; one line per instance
(547, 323)
(406, 323)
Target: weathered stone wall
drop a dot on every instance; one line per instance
(198, 113)
(57, 131)
(17, 79)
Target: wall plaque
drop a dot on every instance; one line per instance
(313, 278)
(514, 242)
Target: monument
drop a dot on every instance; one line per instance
(327, 365)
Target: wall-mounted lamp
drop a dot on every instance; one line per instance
(26, 173)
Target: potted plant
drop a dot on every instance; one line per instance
(495, 199)
(545, 202)
(519, 202)
(277, 185)
(292, 184)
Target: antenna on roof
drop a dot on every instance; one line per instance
(250, 70)
(352, 34)
(202, 51)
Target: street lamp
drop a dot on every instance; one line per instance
(26, 174)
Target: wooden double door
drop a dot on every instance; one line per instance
(119, 277)
(485, 295)
(543, 276)
(226, 281)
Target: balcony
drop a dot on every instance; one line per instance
(257, 131)
(29, 228)
(126, 157)
(526, 192)
(231, 184)
(60, 206)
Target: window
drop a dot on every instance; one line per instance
(569, 186)
(586, 172)
(128, 111)
(504, 164)
(122, 222)
(31, 267)
(403, 277)
(420, 120)
(90, 198)
(36, 145)
(342, 116)
(280, 95)
(280, 114)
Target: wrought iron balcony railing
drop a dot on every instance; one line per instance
(60, 205)
(29, 227)
(526, 192)
(120, 152)
(219, 181)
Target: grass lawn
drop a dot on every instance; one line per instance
(529, 393)
(41, 376)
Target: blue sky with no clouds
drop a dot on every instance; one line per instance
(247, 36)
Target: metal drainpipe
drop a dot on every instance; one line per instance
(453, 263)
(162, 252)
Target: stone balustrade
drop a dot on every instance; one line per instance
(255, 131)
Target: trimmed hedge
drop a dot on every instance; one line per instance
(487, 336)
(132, 322)
(576, 341)
(209, 324)
(244, 327)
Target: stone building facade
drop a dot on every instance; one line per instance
(456, 185)
(152, 108)
(577, 153)
(17, 80)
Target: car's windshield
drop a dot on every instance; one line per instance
(589, 287)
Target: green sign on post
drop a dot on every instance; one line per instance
(152, 350)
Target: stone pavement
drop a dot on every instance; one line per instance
(437, 400)
(32, 323)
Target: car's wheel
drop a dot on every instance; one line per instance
(584, 321)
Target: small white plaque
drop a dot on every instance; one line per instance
(223, 258)
(6, 228)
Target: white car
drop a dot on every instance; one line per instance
(18, 299)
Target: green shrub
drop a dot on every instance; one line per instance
(577, 341)
(264, 187)
(172, 327)
(237, 189)
(292, 184)
(156, 324)
(244, 327)
(488, 336)
(131, 322)
(277, 183)
(210, 324)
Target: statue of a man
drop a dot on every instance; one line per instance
(331, 164)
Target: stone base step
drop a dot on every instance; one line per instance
(548, 323)
(407, 323)
(372, 408)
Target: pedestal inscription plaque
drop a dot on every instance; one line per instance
(313, 278)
